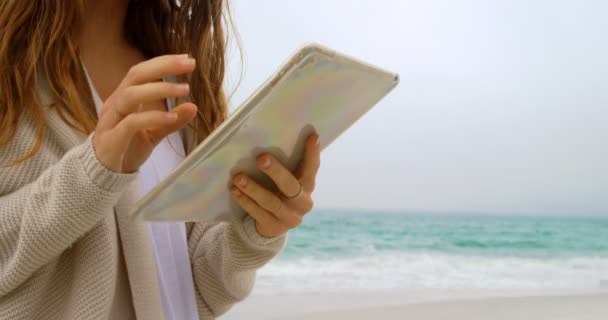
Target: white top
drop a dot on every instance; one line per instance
(168, 238)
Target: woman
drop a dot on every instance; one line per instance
(84, 126)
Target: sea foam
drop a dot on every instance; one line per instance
(403, 271)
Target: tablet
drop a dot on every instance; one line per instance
(316, 90)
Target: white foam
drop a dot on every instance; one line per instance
(396, 271)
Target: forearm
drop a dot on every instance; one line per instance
(225, 258)
(43, 218)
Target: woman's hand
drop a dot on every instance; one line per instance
(277, 212)
(130, 125)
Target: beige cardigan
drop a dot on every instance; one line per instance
(67, 247)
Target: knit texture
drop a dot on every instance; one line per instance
(59, 237)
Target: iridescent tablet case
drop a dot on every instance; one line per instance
(317, 89)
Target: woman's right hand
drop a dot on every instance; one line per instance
(129, 125)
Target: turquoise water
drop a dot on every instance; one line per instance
(331, 233)
(354, 250)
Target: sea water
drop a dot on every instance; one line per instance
(362, 251)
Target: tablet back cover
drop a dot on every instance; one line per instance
(317, 90)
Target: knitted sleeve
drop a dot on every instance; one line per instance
(41, 219)
(225, 257)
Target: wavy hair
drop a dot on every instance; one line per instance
(39, 36)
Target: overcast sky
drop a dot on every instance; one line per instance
(502, 106)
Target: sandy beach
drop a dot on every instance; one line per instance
(589, 307)
(423, 306)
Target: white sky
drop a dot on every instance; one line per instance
(502, 106)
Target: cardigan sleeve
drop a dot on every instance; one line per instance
(42, 218)
(225, 257)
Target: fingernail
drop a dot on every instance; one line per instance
(242, 182)
(171, 116)
(183, 87)
(189, 62)
(317, 141)
(266, 163)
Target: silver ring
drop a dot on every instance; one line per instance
(297, 195)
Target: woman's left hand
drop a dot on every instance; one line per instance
(277, 212)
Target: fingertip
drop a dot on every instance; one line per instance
(182, 89)
(315, 140)
(192, 107)
(187, 109)
(170, 116)
(264, 161)
(189, 63)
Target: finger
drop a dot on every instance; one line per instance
(134, 122)
(262, 196)
(289, 219)
(264, 218)
(185, 113)
(272, 203)
(309, 166)
(131, 98)
(287, 183)
(157, 68)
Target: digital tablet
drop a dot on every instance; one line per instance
(316, 90)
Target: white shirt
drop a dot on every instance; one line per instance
(168, 238)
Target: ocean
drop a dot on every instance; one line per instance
(362, 251)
